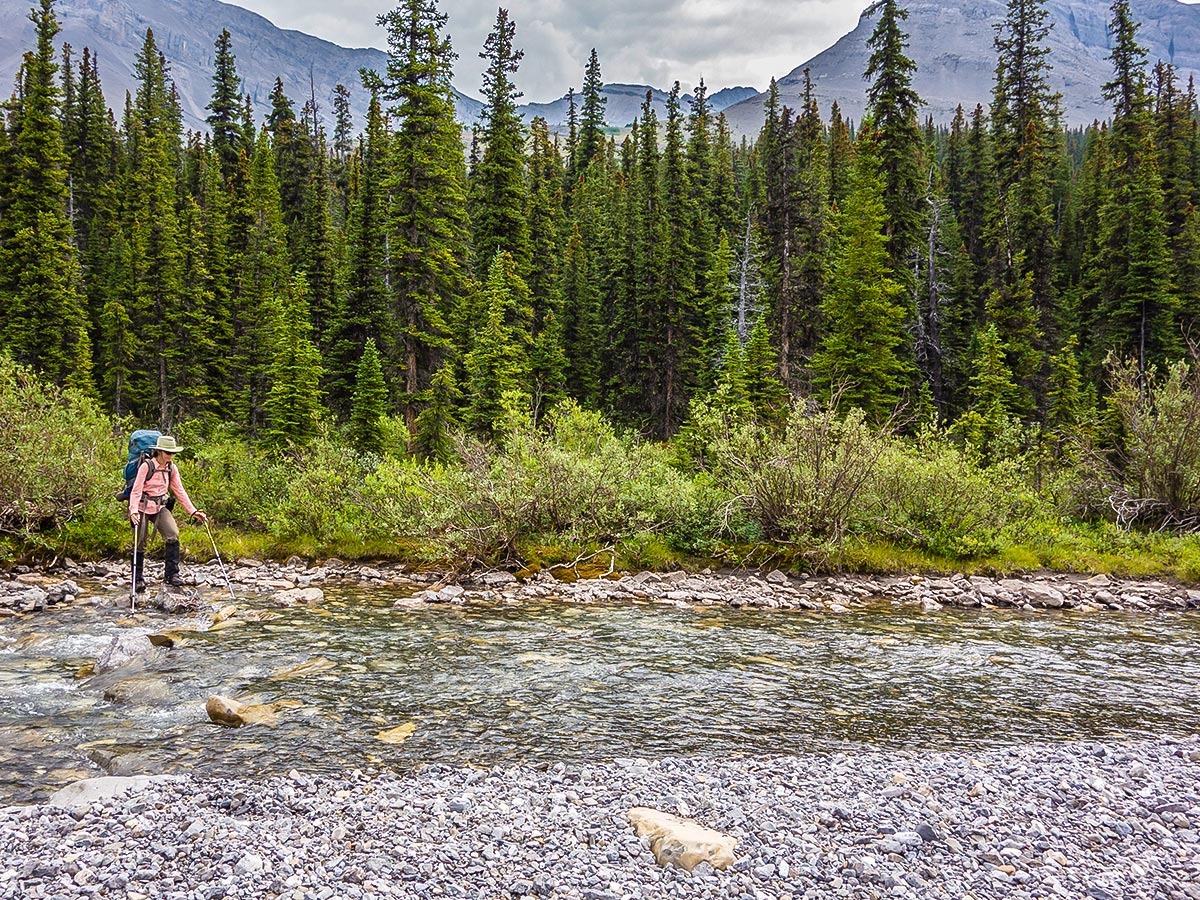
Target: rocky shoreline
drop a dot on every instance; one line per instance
(1100, 821)
(293, 582)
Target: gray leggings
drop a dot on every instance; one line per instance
(164, 522)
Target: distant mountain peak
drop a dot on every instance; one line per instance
(952, 42)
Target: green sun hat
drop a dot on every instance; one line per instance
(167, 444)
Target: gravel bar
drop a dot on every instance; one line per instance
(1099, 820)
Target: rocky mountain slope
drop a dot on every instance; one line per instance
(310, 67)
(952, 43)
(185, 31)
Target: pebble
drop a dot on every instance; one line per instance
(808, 826)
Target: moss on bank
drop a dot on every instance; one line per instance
(1081, 549)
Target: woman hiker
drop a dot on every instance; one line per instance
(148, 503)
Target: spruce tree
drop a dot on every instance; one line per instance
(841, 154)
(427, 228)
(544, 213)
(314, 246)
(1174, 134)
(859, 361)
(498, 192)
(437, 422)
(1133, 309)
(225, 107)
(364, 303)
(591, 118)
(723, 199)
(194, 320)
(571, 150)
(499, 362)
(582, 337)
(1021, 230)
(293, 403)
(704, 235)
(767, 395)
(261, 273)
(636, 334)
(369, 405)
(1066, 408)
(987, 421)
(892, 106)
(294, 157)
(343, 122)
(154, 237)
(677, 325)
(43, 320)
(215, 203)
(90, 139)
(729, 393)
(809, 248)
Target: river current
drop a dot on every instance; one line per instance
(550, 681)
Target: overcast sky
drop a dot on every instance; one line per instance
(727, 42)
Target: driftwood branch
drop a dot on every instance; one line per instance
(575, 563)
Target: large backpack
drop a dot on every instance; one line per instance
(141, 448)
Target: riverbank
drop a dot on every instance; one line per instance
(1107, 821)
(24, 591)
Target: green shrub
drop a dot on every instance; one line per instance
(321, 499)
(1152, 473)
(58, 452)
(934, 496)
(565, 479)
(807, 485)
(230, 478)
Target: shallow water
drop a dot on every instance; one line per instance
(552, 681)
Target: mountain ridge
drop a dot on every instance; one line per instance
(952, 43)
(954, 46)
(186, 31)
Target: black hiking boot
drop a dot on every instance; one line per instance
(139, 582)
(171, 575)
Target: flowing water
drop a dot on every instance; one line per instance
(552, 681)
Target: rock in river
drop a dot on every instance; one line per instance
(235, 714)
(299, 596)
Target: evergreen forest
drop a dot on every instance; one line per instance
(965, 320)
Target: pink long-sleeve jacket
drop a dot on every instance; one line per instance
(149, 492)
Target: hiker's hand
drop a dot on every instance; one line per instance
(135, 518)
(200, 516)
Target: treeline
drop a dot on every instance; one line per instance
(985, 274)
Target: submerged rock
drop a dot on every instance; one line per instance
(141, 690)
(123, 649)
(313, 666)
(225, 712)
(171, 599)
(397, 735)
(299, 596)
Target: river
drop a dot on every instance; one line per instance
(549, 681)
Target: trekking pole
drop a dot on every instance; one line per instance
(133, 571)
(219, 563)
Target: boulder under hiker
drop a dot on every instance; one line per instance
(157, 479)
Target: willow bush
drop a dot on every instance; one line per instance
(59, 453)
(933, 495)
(807, 483)
(1151, 471)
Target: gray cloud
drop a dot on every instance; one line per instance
(725, 42)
